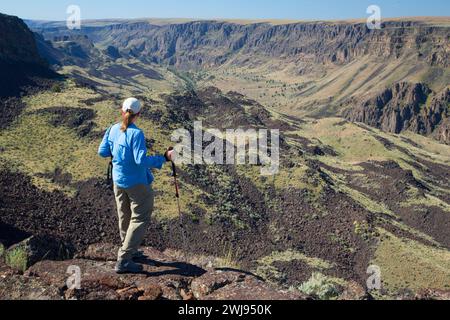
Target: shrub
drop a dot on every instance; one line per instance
(2, 250)
(321, 286)
(57, 88)
(17, 259)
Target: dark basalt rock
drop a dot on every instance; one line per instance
(78, 119)
(164, 277)
(406, 106)
(113, 52)
(20, 62)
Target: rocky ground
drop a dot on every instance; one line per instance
(164, 277)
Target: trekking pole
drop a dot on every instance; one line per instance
(180, 214)
(177, 189)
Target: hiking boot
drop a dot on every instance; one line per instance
(128, 266)
(139, 255)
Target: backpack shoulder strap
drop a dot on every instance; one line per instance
(108, 132)
(109, 173)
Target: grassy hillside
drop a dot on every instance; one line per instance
(324, 89)
(410, 264)
(37, 148)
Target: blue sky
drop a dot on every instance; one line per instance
(237, 9)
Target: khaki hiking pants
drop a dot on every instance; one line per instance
(135, 207)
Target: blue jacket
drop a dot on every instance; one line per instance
(131, 165)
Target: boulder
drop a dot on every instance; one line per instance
(237, 285)
(253, 290)
(15, 287)
(100, 252)
(214, 280)
(26, 253)
(443, 295)
(354, 291)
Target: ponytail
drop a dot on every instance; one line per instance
(127, 120)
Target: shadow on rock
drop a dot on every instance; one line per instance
(171, 268)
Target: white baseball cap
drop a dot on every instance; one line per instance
(133, 105)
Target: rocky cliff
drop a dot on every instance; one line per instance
(212, 43)
(19, 57)
(406, 106)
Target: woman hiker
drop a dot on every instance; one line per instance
(125, 143)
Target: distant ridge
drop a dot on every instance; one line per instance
(442, 21)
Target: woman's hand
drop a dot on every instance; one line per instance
(169, 154)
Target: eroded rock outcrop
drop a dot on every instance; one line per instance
(406, 106)
(236, 285)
